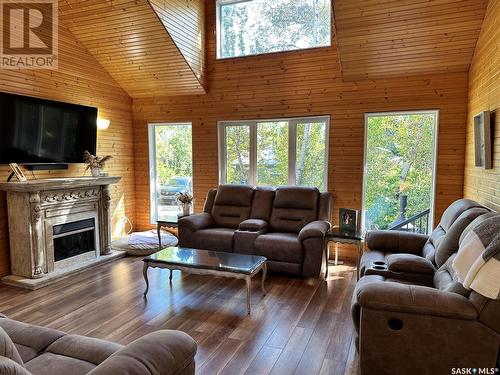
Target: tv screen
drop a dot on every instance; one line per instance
(42, 131)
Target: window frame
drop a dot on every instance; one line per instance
(435, 140)
(292, 146)
(219, 33)
(153, 211)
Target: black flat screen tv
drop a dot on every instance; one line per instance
(38, 131)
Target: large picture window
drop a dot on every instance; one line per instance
(274, 152)
(252, 27)
(171, 167)
(400, 157)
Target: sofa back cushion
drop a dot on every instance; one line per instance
(450, 241)
(293, 208)
(445, 277)
(232, 205)
(447, 233)
(262, 203)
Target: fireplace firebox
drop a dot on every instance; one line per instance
(72, 239)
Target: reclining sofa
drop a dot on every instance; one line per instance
(415, 327)
(26, 349)
(287, 225)
(414, 256)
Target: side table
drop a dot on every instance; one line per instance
(336, 236)
(170, 222)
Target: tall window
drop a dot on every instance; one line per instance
(274, 152)
(171, 167)
(399, 170)
(252, 27)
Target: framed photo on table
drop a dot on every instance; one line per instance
(348, 221)
(17, 172)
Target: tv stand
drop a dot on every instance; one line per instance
(45, 166)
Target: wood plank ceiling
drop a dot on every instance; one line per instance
(378, 39)
(132, 44)
(185, 22)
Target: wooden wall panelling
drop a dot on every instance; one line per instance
(131, 43)
(484, 95)
(185, 22)
(302, 84)
(394, 38)
(82, 80)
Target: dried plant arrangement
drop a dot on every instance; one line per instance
(95, 163)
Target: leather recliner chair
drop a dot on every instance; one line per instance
(406, 328)
(287, 225)
(416, 257)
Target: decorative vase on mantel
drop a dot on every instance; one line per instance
(96, 171)
(186, 208)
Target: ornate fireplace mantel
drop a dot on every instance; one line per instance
(36, 207)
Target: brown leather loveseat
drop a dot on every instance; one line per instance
(287, 225)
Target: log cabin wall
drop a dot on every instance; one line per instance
(80, 80)
(484, 95)
(304, 83)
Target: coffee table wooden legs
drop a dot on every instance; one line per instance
(264, 274)
(248, 278)
(145, 274)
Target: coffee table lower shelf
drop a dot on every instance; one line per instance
(211, 272)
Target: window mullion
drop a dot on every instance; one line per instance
(253, 154)
(292, 152)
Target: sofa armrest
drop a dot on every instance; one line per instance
(396, 241)
(196, 222)
(253, 225)
(315, 229)
(158, 353)
(410, 263)
(413, 299)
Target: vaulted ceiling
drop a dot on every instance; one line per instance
(390, 38)
(131, 41)
(157, 47)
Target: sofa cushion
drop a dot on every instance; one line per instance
(293, 208)
(450, 215)
(87, 349)
(276, 246)
(450, 242)
(232, 205)
(216, 239)
(51, 364)
(262, 203)
(29, 339)
(8, 349)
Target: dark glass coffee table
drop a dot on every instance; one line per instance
(205, 262)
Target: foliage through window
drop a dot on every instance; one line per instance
(252, 27)
(274, 152)
(399, 171)
(171, 167)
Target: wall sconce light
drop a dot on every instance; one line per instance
(103, 123)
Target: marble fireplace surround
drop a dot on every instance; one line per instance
(35, 206)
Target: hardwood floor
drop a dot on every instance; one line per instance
(299, 327)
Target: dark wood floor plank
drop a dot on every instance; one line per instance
(300, 326)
